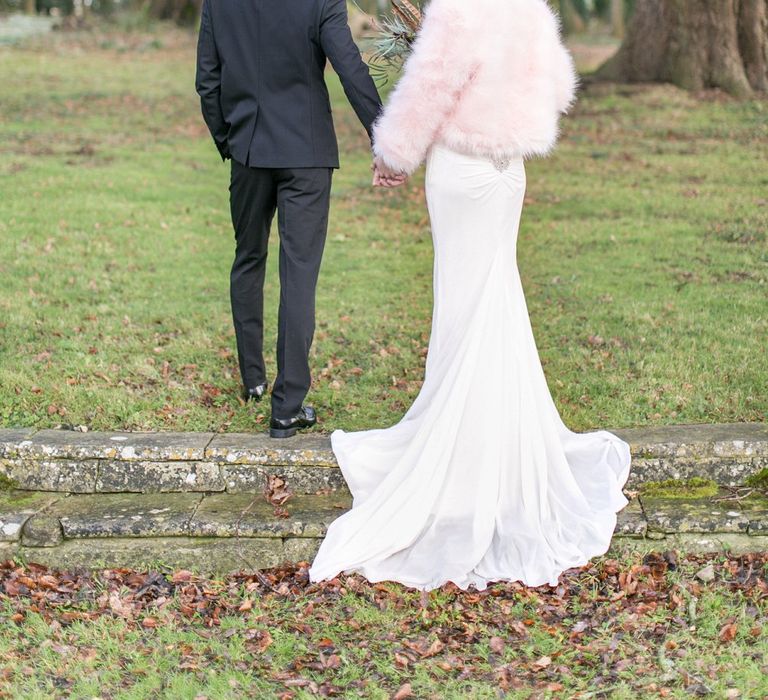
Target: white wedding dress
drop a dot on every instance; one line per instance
(481, 481)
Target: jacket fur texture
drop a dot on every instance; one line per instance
(487, 78)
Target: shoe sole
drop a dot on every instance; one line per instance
(279, 434)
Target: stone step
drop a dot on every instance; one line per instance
(221, 532)
(73, 462)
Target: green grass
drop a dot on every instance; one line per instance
(643, 252)
(759, 480)
(618, 629)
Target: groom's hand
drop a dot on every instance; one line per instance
(384, 176)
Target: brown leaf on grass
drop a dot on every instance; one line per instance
(596, 340)
(405, 691)
(332, 661)
(259, 640)
(543, 662)
(424, 648)
(497, 645)
(181, 576)
(728, 632)
(401, 660)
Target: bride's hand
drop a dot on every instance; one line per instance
(383, 176)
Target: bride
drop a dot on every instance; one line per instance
(481, 481)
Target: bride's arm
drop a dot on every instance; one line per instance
(433, 78)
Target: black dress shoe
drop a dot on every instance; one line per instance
(255, 394)
(288, 427)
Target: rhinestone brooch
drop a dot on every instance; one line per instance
(501, 164)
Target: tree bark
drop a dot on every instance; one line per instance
(696, 44)
(570, 17)
(30, 7)
(617, 18)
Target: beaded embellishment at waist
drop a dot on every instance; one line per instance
(501, 163)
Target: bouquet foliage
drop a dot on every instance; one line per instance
(394, 36)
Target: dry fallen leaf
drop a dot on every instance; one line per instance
(497, 645)
(404, 692)
(276, 490)
(728, 632)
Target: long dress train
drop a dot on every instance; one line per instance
(481, 481)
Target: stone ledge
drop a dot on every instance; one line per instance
(706, 515)
(17, 507)
(206, 555)
(223, 555)
(702, 440)
(74, 445)
(74, 462)
(260, 449)
(114, 476)
(45, 520)
(221, 532)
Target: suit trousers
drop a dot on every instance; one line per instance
(301, 198)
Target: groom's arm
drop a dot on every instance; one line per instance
(208, 83)
(338, 45)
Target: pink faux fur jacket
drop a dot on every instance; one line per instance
(486, 77)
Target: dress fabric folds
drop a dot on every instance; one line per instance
(481, 480)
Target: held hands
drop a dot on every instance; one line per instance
(383, 176)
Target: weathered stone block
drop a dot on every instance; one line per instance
(250, 515)
(8, 550)
(719, 542)
(148, 477)
(729, 471)
(74, 445)
(722, 440)
(51, 474)
(120, 515)
(631, 521)
(10, 439)
(16, 507)
(303, 450)
(675, 515)
(42, 530)
(209, 556)
(248, 478)
(691, 543)
(301, 549)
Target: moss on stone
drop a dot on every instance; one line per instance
(759, 480)
(7, 484)
(695, 487)
(15, 498)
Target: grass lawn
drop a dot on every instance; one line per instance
(643, 251)
(620, 629)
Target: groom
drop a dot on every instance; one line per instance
(260, 77)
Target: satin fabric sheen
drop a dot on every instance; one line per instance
(480, 481)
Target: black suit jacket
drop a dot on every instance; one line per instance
(260, 77)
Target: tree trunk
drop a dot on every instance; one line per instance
(696, 44)
(572, 21)
(30, 7)
(617, 18)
